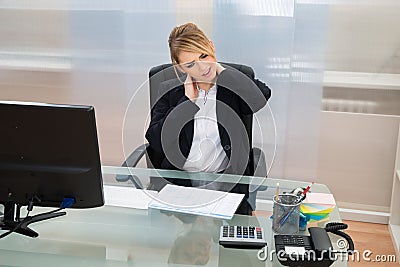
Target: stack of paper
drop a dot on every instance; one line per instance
(317, 206)
(127, 197)
(197, 201)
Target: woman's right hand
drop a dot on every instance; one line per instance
(191, 89)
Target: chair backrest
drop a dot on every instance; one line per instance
(164, 72)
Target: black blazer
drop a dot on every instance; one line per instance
(172, 119)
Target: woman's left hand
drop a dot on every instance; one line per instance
(190, 89)
(220, 68)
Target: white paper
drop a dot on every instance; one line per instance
(197, 201)
(129, 197)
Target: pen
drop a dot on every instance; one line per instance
(275, 212)
(287, 214)
(304, 193)
(307, 189)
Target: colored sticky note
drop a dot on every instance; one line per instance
(320, 198)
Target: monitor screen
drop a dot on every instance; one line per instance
(49, 152)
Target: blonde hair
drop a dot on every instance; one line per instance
(189, 38)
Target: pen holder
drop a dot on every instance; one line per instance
(286, 214)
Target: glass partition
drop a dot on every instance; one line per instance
(99, 53)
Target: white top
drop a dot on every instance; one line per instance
(206, 153)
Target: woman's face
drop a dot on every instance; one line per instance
(200, 67)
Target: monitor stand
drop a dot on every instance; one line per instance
(12, 221)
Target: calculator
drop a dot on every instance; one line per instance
(245, 237)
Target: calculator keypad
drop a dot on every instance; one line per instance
(242, 236)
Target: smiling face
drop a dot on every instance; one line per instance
(200, 67)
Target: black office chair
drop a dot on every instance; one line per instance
(166, 72)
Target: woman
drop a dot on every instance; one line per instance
(197, 122)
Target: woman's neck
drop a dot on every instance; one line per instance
(205, 86)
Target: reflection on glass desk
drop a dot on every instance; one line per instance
(116, 236)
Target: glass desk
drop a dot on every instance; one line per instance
(116, 236)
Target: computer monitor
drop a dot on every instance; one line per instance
(48, 154)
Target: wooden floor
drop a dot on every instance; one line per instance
(373, 237)
(367, 236)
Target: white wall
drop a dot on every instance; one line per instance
(356, 158)
(364, 37)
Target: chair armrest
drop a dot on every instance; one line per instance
(260, 170)
(135, 156)
(260, 166)
(132, 161)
